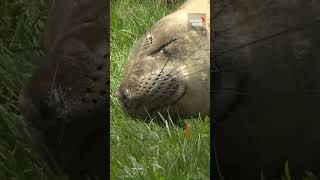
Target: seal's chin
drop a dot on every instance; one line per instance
(169, 107)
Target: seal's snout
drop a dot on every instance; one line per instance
(150, 92)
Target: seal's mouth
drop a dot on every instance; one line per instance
(149, 108)
(164, 107)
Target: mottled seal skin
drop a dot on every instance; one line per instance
(266, 92)
(168, 68)
(64, 102)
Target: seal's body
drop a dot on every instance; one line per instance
(168, 68)
(266, 93)
(64, 103)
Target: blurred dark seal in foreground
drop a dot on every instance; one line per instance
(64, 103)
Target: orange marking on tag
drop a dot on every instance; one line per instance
(203, 18)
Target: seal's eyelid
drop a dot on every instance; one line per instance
(162, 47)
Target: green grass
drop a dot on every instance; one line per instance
(146, 150)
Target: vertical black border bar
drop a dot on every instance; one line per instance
(213, 163)
(107, 119)
(212, 122)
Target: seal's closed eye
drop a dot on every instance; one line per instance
(162, 47)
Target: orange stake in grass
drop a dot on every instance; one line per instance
(187, 131)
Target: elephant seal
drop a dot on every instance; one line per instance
(266, 90)
(64, 102)
(168, 67)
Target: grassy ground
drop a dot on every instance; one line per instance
(148, 151)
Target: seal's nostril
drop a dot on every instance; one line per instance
(124, 96)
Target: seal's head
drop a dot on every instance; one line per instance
(168, 68)
(64, 102)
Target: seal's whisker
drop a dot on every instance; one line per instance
(133, 71)
(185, 67)
(168, 95)
(176, 74)
(164, 66)
(153, 66)
(174, 89)
(186, 75)
(176, 68)
(129, 72)
(180, 63)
